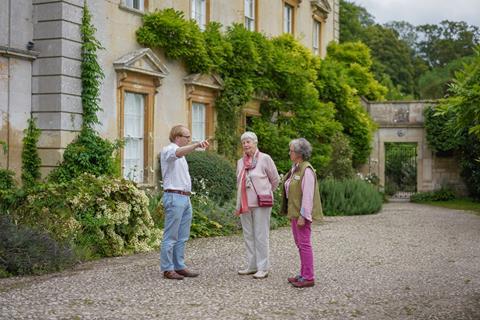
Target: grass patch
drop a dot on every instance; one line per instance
(458, 204)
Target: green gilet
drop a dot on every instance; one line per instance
(291, 206)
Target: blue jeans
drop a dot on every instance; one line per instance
(178, 219)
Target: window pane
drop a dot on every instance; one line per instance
(249, 8)
(250, 15)
(133, 162)
(316, 36)
(287, 18)
(135, 4)
(198, 121)
(199, 12)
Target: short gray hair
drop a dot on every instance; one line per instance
(249, 135)
(302, 147)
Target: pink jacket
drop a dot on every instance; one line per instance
(264, 176)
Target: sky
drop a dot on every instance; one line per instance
(419, 12)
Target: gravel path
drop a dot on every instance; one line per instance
(407, 262)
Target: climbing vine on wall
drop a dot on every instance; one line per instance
(30, 158)
(89, 152)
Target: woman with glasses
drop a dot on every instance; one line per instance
(301, 203)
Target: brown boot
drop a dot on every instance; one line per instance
(302, 283)
(172, 275)
(187, 273)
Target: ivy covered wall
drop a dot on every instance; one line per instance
(303, 96)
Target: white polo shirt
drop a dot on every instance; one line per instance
(175, 173)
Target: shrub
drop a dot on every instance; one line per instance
(212, 219)
(340, 166)
(89, 153)
(440, 134)
(277, 220)
(6, 179)
(442, 194)
(470, 165)
(103, 216)
(349, 197)
(27, 251)
(155, 207)
(10, 194)
(212, 175)
(30, 159)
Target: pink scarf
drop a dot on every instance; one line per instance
(249, 163)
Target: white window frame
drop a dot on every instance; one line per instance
(135, 4)
(135, 142)
(199, 121)
(317, 27)
(288, 10)
(250, 15)
(199, 12)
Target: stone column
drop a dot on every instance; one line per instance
(56, 84)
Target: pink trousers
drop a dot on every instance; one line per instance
(302, 237)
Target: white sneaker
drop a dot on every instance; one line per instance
(260, 274)
(244, 272)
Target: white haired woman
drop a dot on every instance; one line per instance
(301, 203)
(256, 175)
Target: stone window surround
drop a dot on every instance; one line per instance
(321, 24)
(147, 86)
(203, 89)
(207, 97)
(140, 72)
(293, 4)
(123, 6)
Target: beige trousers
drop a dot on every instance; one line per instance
(256, 230)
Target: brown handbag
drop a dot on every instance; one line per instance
(264, 200)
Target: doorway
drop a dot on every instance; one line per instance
(400, 168)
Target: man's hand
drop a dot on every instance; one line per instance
(203, 144)
(300, 221)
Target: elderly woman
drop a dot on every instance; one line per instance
(256, 175)
(301, 203)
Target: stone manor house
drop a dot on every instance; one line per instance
(143, 94)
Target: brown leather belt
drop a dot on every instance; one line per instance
(183, 193)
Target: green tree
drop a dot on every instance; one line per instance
(448, 41)
(293, 108)
(393, 55)
(406, 32)
(434, 83)
(353, 21)
(342, 77)
(440, 132)
(464, 97)
(463, 104)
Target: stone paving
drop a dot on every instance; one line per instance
(407, 262)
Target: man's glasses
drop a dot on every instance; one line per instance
(188, 137)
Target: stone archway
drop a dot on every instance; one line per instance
(403, 122)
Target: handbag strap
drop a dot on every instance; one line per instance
(253, 184)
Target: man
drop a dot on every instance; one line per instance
(176, 201)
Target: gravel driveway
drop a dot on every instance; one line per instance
(407, 262)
